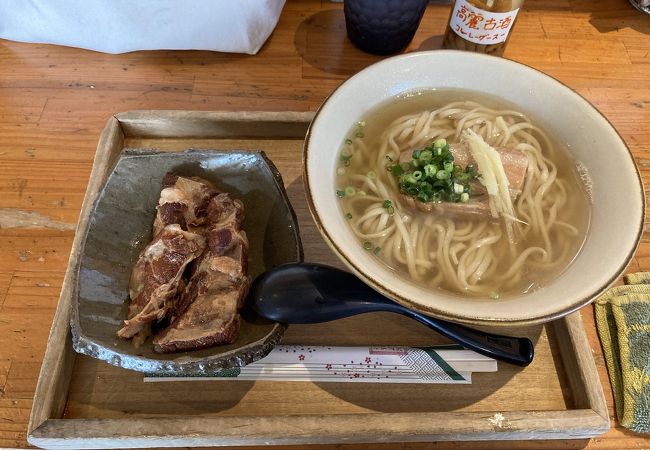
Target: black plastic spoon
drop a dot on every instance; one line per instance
(302, 293)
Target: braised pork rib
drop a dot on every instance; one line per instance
(193, 274)
(157, 274)
(183, 201)
(208, 310)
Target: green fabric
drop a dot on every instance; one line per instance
(623, 321)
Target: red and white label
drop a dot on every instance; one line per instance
(481, 27)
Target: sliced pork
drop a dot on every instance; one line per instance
(515, 164)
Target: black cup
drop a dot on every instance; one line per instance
(382, 27)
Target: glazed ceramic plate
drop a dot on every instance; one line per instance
(120, 227)
(616, 190)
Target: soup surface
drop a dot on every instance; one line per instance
(457, 190)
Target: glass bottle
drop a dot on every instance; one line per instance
(481, 26)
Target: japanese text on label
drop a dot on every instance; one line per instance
(479, 26)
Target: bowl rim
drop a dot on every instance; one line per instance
(432, 310)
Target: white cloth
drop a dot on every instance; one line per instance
(118, 26)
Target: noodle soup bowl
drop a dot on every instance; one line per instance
(613, 183)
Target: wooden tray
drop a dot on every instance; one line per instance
(83, 403)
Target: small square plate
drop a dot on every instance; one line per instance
(120, 227)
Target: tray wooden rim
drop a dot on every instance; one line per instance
(48, 430)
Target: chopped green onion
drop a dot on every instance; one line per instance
(396, 170)
(430, 170)
(348, 142)
(440, 143)
(388, 158)
(340, 171)
(464, 197)
(340, 193)
(348, 216)
(432, 175)
(346, 156)
(388, 205)
(372, 175)
(367, 245)
(412, 190)
(494, 295)
(360, 192)
(377, 250)
(462, 177)
(350, 191)
(360, 125)
(407, 178)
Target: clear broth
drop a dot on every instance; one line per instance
(576, 211)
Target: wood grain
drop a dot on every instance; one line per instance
(527, 401)
(57, 365)
(54, 102)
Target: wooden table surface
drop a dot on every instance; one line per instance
(54, 102)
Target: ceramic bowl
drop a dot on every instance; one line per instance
(120, 227)
(618, 201)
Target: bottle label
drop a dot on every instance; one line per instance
(479, 26)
